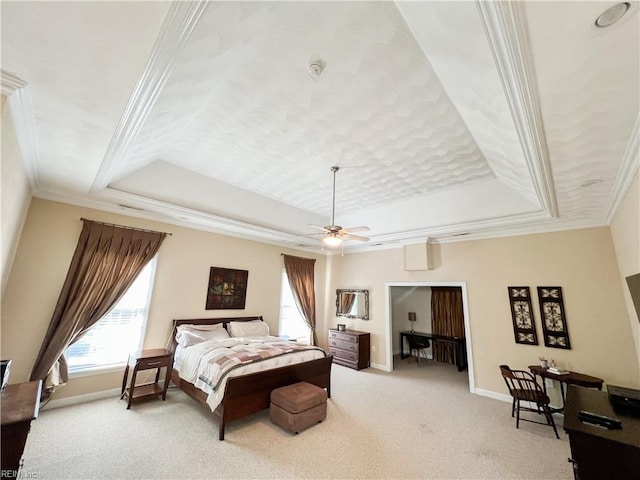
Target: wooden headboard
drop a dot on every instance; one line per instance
(206, 321)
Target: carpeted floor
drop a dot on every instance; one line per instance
(417, 422)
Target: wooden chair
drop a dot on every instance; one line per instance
(417, 344)
(523, 388)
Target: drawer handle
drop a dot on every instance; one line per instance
(154, 363)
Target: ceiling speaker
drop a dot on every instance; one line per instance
(417, 256)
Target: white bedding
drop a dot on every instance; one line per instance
(190, 362)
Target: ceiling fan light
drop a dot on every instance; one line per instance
(332, 240)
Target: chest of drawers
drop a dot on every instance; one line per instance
(20, 405)
(350, 348)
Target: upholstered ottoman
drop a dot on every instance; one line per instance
(298, 406)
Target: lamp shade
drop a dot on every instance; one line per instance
(412, 316)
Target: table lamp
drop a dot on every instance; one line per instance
(412, 319)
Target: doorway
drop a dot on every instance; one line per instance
(467, 329)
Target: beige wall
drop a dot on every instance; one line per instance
(582, 262)
(48, 241)
(625, 230)
(16, 194)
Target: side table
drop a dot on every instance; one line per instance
(146, 360)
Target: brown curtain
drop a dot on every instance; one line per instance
(300, 272)
(346, 301)
(447, 318)
(107, 260)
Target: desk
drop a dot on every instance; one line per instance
(596, 452)
(571, 378)
(460, 348)
(20, 405)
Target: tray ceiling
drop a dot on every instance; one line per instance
(446, 118)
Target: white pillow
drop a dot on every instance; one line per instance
(187, 337)
(254, 328)
(191, 326)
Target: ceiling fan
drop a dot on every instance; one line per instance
(335, 234)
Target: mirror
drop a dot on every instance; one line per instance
(352, 304)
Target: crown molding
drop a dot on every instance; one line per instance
(179, 23)
(10, 83)
(545, 226)
(132, 205)
(626, 172)
(19, 103)
(451, 230)
(137, 206)
(506, 28)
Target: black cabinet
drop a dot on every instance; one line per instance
(598, 452)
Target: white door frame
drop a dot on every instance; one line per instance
(465, 311)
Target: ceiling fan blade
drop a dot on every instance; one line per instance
(344, 234)
(318, 227)
(356, 229)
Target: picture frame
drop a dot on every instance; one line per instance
(554, 322)
(524, 327)
(227, 289)
(342, 327)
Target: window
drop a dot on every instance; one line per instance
(292, 324)
(119, 332)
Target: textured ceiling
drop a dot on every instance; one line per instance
(445, 117)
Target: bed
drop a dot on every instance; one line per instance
(240, 394)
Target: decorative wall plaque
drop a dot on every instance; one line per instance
(524, 328)
(227, 289)
(554, 323)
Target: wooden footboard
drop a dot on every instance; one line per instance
(248, 394)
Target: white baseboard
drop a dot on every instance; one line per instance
(495, 395)
(87, 397)
(504, 398)
(380, 366)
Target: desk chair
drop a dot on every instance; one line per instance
(417, 344)
(523, 387)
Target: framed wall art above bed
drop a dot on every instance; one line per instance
(524, 328)
(227, 289)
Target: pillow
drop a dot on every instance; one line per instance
(254, 328)
(189, 336)
(191, 326)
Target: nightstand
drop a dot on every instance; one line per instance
(155, 358)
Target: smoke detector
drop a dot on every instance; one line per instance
(315, 68)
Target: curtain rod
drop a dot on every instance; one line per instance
(125, 227)
(294, 256)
